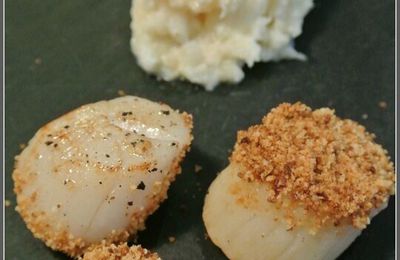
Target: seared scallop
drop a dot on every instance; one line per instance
(120, 252)
(97, 172)
(301, 185)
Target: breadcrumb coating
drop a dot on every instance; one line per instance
(120, 252)
(329, 167)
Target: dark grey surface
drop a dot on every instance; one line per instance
(85, 57)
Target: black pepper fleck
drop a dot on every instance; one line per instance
(141, 186)
(66, 127)
(48, 142)
(107, 155)
(126, 113)
(130, 203)
(165, 112)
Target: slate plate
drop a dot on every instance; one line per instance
(62, 54)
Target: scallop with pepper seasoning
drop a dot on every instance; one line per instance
(97, 172)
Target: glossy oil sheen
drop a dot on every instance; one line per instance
(63, 54)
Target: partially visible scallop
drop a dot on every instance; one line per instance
(97, 172)
(245, 226)
(120, 252)
(302, 184)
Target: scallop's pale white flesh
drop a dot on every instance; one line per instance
(244, 225)
(97, 172)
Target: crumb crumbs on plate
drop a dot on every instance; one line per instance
(382, 104)
(171, 239)
(22, 146)
(38, 61)
(121, 93)
(7, 203)
(364, 116)
(197, 168)
(122, 251)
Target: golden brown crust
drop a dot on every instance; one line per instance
(61, 239)
(314, 160)
(38, 224)
(120, 252)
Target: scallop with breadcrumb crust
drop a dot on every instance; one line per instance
(300, 185)
(97, 172)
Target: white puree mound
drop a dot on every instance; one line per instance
(209, 41)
